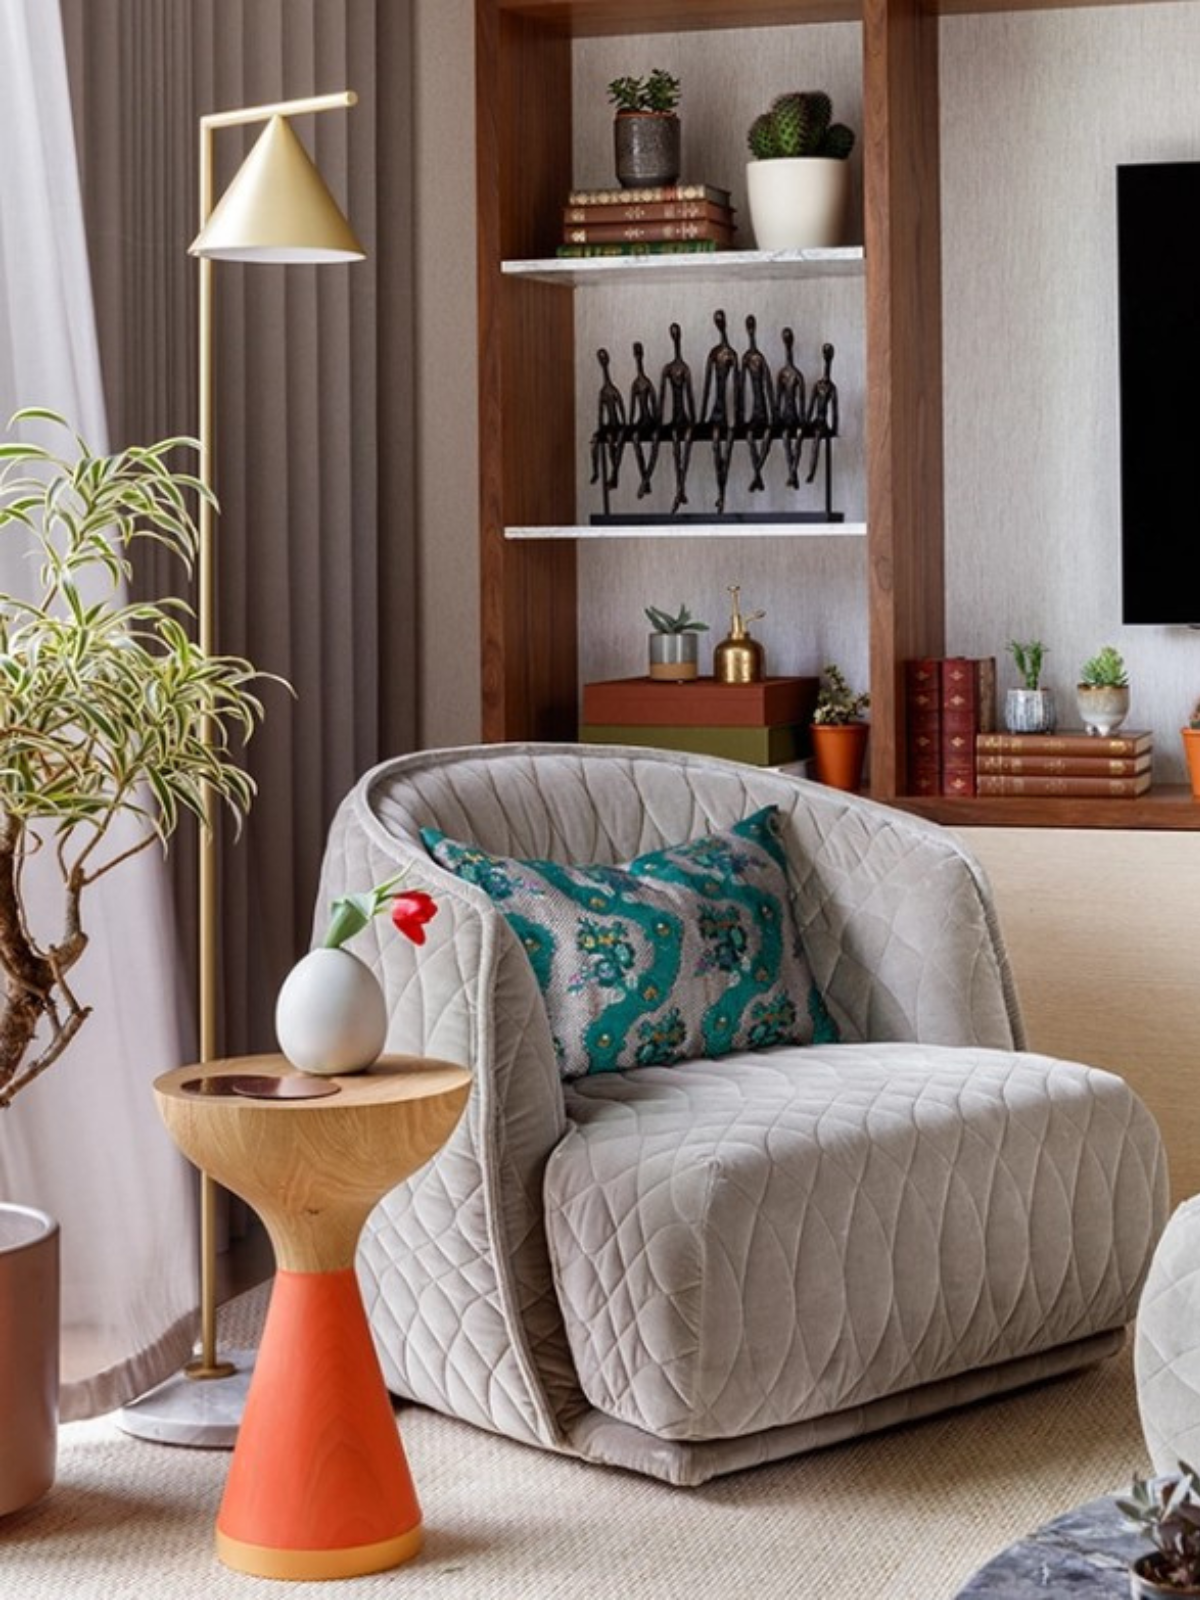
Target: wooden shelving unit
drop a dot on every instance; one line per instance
(527, 365)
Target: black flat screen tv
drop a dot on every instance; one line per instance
(1158, 258)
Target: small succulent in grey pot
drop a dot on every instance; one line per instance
(674, 644)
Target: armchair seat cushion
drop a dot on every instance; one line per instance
(756, 1242)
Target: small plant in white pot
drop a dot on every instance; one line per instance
(1029, 708)
(674, 645)
(1102, 693)
(646, 137)
(799, 181)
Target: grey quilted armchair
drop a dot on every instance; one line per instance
(685, 1270)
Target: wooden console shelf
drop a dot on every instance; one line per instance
(529, 518)
(1168, 807)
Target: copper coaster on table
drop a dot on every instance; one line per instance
(298, 1088)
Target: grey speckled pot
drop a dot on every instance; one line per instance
(1030, 711)
(646, 147)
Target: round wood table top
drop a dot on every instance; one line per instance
(312, 1167)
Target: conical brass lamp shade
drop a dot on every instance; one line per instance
(277, 209)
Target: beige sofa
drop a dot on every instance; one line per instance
(687, 1270)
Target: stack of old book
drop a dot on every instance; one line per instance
(1069, 762)
(764, 724)
(949, 701)
(670, 219)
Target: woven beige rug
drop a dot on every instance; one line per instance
(902, 1516)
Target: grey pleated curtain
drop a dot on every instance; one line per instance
(313, 408)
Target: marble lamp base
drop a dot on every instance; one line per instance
(203, 1412)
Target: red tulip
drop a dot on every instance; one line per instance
(410, 913)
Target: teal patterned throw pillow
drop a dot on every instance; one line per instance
(686, 952)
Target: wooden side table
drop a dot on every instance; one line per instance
(318, 1485)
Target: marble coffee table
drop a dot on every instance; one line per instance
(1085, 1553)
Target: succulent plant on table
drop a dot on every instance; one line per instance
(799, 123)
(1167, 1510)
(674, 644)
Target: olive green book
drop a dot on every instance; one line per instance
(758, 747)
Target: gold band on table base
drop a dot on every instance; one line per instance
(353, 1561)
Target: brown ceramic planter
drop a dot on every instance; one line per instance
(28, 1355)
(838, 750)
(1144, 1584)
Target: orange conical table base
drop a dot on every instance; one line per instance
(318, 1486)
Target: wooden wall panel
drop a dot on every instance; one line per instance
(904, 361)
(526, 395)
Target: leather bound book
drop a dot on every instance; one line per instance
(1066, 742)
(968, 708)
(1008, 783)
(923, 724)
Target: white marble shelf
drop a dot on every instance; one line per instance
(592, 271)
(696, 530)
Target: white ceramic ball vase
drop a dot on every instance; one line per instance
(331, 1015)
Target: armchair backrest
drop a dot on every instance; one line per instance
(896, 916)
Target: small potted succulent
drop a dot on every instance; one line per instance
(646, 140)
(674, 645)
(1167, 1510)
(799, 181)
(1030, 708)
(1102, 692)
(839, 734)
(1191, 749)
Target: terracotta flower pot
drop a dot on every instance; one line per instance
(838, 750)
(1191, 749)
(29, 1331)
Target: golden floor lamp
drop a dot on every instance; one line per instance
(277, 209)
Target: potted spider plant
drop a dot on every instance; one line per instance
(839, 734)
(646, 137)
(114, 724)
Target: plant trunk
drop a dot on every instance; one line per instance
(28, 977)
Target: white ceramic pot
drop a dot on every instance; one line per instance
(29, 1333)
(1102, 707)
(331, 1015)
(798, 202)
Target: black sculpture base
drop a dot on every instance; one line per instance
(647, 519)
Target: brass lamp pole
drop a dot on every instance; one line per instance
(276, 209)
